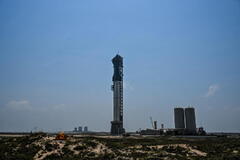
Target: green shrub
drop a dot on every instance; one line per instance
(50, 147)
(80, 148)
(67, 151)
(53, 156)
(90, 143)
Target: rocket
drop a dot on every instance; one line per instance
(117, 88)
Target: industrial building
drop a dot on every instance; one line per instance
(117, 88)
(80, 129)
(190, 120)
(185, 124)
(179, 118)
(185, 120)
(85, 129)
(75, 129)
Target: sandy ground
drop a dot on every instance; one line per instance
(99, 149)
(185, 146)
(42, 154)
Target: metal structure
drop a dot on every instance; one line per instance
(190, 119)
(117, 88)
(162, 126)
(151, 121)
(155, 124)
(179, 118)
(185, 124)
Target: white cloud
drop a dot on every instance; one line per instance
(19, 105)
(212, 90)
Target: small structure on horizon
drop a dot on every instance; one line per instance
(85, 129)
(80, 129)
(75, 129)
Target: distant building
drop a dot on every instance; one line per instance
(179, 118)
(155, 124)
(185, 124)
(190, 119)
(75, 129)
(85, 129)
(185, 119)
(162, 126)
(79, 129)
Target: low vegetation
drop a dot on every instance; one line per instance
(42, 147)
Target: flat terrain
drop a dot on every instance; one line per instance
(43, 147)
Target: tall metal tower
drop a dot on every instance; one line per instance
(117, 88)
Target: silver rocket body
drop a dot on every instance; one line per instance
(117, 88)
(117, 101)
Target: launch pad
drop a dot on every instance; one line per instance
(117, 128)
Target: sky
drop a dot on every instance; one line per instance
(56, 70)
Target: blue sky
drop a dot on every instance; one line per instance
(55, 62)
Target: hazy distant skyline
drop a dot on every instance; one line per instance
(56, 70)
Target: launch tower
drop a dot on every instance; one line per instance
(117, 88)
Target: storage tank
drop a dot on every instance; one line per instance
(85, 129)
(75, 129)
(79, 129)
(179, 118)
(190, 119)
